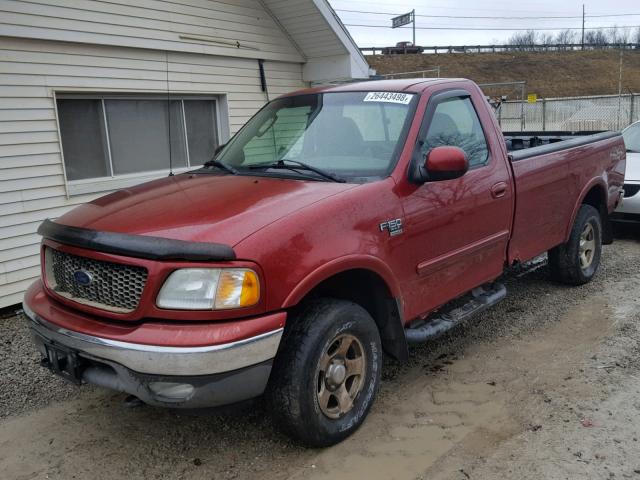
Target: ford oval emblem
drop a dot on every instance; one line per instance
(82, 277)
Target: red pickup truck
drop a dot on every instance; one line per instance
(336, 225)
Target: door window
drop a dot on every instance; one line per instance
(455, 123)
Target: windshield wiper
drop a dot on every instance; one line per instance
(297, 166)
(223, 166)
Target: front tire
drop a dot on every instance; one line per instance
(327, 372)
(577, 261)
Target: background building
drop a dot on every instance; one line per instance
(89, 91)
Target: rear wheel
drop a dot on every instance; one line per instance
(577, 261)
(326, 373)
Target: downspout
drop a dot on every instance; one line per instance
(263, 79)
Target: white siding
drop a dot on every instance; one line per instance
(237, 28)
(32, 184)
(315, 28)
(307, 27)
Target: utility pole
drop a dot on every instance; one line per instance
(620, 90)
(413, 17)
(583, 26)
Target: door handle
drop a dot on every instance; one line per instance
(499, 190)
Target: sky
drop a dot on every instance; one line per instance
(428, 32)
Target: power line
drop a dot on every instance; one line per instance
(489, 29)
(397, 4)
(496, 17)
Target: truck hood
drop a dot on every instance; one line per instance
(200, 207)
(633, 167)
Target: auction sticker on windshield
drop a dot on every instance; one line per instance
(391, 97)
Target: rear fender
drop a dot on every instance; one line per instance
(601, 185)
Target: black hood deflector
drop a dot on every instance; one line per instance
(139, 246)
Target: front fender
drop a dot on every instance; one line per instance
(342, 264)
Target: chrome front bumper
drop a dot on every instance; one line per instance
(158, 360)
(176, 377)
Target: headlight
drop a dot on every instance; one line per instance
(209, 289)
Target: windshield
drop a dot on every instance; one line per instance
(352, 135)
(631, 137)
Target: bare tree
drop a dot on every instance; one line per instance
(546, 39)
(532, 40)
(596, 38)
(566, 37)
(636, 36)
(619, 35)
(523, 40)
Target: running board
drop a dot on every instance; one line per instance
(481, 298)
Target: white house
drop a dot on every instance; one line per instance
(89, 90)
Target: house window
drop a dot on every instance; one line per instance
(112, 137)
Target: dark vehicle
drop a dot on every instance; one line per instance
(402, 48)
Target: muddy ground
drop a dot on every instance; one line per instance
(545, 385)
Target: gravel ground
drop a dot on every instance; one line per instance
(24, 385)
(544, 385)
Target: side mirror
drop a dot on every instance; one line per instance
(445, 163)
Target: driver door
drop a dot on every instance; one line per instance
(457, 230)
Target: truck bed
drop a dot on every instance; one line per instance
(551, 173)
(521, 145)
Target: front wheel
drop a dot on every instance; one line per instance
(576, 261)
(327, 372)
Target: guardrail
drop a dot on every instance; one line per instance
(557, 47)
(414, 74)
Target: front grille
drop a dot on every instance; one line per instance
(109, 286)
(630, 190)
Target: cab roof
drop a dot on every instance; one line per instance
(412, 85)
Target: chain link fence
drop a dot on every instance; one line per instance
(605, 112)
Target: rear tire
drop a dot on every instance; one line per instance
(577, 261)
(326, 373)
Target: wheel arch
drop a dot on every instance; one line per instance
(367, 281)
(594, 194)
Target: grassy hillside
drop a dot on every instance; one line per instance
(548, 74)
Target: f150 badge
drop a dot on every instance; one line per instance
(394, 227)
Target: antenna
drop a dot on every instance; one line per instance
(169, 116)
